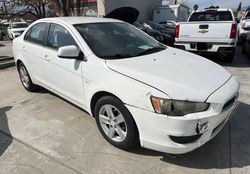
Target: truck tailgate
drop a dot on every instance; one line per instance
(211, 30)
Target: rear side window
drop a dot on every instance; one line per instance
(211, 16)
(59, 36)
(36, 33)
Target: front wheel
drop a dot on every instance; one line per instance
(115, 123)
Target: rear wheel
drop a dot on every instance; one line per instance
(244, 48)
(25, 78)
(115, 123)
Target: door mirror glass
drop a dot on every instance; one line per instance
(68, 52)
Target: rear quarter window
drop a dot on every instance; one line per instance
(211, 16)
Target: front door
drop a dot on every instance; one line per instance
(64, 76)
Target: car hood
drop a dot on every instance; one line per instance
(179, 74)
(127, 14)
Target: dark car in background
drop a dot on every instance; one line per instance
(168, 24)
(246, 44)
(154, 33)
(167, 33)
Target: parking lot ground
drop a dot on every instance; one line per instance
(42, 133)
(5, 49)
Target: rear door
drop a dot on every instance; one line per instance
(32, 48)
(64, 76)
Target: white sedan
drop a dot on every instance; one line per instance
(137, 89)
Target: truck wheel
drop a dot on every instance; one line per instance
(229, 58)
(115, 122)
(243, 50)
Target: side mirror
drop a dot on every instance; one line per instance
(69, 52)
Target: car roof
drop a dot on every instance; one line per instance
(215, 9)
(78, 20)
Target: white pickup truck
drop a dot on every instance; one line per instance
(212, 30)
(244, 26)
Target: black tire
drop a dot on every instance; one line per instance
(229, 57)
(131, 137)
(243, 51)
(29, 86)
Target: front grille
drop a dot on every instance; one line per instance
(229, 103)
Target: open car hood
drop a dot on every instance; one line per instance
(126, 14)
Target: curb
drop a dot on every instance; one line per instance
(7, 62)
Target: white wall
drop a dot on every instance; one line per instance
(146, 7)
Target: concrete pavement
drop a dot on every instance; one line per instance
(5, 48)
(6, 57)
(42, 133)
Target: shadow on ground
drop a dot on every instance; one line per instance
(240, 60)
(5, 135)
(230, 148)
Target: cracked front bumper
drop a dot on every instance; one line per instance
(162, 133)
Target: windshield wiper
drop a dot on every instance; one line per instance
(150, 50)
(117, 56)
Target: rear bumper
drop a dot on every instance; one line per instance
(212, 47)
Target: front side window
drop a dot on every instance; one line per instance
(37, 33)
(58, 37)
(117, 40)
(211, 16)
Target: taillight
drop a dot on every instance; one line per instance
(177, 31)
(233, 31)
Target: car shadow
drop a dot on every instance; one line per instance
(240, 60)
(5, 134)
(230, 148)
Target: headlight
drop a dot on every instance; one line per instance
(177, 108)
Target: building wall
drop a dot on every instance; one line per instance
(145, 7)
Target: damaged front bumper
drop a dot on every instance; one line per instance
(178, 135)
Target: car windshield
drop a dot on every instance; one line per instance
(211, 15)
(117, 40)
(19, 25)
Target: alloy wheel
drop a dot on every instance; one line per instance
(113, 123)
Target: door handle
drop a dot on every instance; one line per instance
(24, 49)
(46, 57)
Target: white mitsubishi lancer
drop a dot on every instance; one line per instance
(137, 89)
